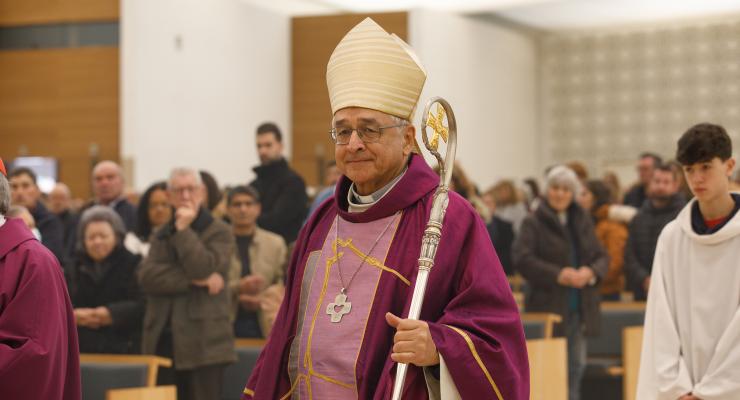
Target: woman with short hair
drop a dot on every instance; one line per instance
(102, 282)
(557, 252)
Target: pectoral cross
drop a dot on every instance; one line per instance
(344, 307)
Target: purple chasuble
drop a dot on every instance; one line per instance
(471, 312)
(39, 355)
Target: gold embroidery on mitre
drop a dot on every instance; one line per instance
(371, 68)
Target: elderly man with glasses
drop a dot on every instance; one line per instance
(187, 315)
(340, 331)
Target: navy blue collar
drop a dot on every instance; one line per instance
(697, 220)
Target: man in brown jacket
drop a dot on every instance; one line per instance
(256, 275)
(184, 278)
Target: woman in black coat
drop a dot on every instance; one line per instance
(557, 252)
(107, 305)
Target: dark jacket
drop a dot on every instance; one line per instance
(644, 230)
(202, 332)
(69, 222)
(636, 196)
(123, 208)
(110, 284)
(127, 212)
(502, 236)
(51, 229)
(543, 247)
(283, 197)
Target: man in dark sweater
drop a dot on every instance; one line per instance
(663, 205)
(60, 203)
(637, 195)
(282, 191)
(25, 192)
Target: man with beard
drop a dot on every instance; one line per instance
(664, 203)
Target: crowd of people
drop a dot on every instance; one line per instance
(193, 265)
(189, 265)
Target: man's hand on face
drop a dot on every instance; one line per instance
(184, 216)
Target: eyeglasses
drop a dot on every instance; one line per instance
(185, 189)
(368, 134)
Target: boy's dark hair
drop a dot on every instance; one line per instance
(242, 189)
(270, 127)
(703, 142)
(23, 171)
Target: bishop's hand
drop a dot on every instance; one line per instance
(412, 343)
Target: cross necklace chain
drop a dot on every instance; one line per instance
(340, 307)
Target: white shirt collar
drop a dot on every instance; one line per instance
(359, 203)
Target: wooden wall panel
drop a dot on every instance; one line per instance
(57, 103)
(32, 12)
(313, 40)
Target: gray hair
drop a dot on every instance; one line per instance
(184, 171)
(100, 214)
(561, 175)
(399, 121)
(4, 195)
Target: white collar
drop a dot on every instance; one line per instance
(2, 220)
(359, 203)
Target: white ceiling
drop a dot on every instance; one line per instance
(580, 14)
(539, 14)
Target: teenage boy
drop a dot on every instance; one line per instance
(691, 347)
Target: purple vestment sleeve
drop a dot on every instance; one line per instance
(480, 332)
(39, 355)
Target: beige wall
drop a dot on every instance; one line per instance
(609, 95)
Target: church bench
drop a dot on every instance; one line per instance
(604, 365)
(539, 325)
(102, 372)
(548, 368)
(152, 363)
(632, 349)
(236, 374)
(143, 393)
(605, 350)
